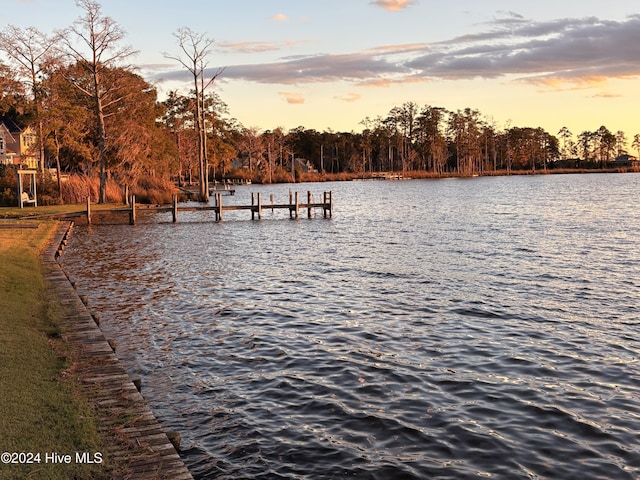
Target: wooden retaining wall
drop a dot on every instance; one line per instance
(134, 441)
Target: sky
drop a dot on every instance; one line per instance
(331, 64)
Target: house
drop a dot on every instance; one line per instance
(17, 144)
(305, 165)
(626, 160)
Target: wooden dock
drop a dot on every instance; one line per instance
(256, 208)
(224, 189)
(135, 444)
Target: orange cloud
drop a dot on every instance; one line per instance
(394, 5)
(566, 83)
(280, 17)
(293, 98)
(351, 97)
(389, 82)
(607, 95)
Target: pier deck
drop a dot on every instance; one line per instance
(218, 208)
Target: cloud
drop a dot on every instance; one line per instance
(394, 5)
(607, 95)
(280, 17)
(554, 54)
(349, 98)
(570, 50)
(400, 48)
(315, 69)
(292, 98)
(390, 82)
(257, 46)
(247, 47)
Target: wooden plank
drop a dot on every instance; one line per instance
(4, 224)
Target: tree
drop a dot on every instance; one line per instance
(585, 145)
(98, 52)
(133, 131)
(178, 115)
(606, 143)
(565, 135)
(432, 143)
(179, 118)
(195, 48)
(274, 141)
(464, 127)
(66, 120)
(32, 51)
(636, 143)
(11, 90)
(621, 143)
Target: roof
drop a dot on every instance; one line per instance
(10, 124)
(625, 157)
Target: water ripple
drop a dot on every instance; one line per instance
(489, 331)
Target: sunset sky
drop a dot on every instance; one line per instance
(330, 64)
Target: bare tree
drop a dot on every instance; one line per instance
(195, 48)
(97, 50)
(11, 90)
(32, 51)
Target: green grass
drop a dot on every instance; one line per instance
(40, 411)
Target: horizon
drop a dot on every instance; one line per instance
(328, 67)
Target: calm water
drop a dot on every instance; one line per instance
(450, 329)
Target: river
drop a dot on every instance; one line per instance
(451, 329)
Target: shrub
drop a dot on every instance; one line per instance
(153, 190)
(78, 187)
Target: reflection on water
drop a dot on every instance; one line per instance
(432, 329)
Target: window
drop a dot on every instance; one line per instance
(29, 139)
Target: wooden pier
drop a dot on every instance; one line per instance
(257, 207)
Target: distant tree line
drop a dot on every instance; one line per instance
(93, 114)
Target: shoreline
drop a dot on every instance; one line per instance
(307, 177)
(134, 441)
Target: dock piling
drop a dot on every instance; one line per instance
(256, 207)
(328, 204)
(175, 208)
(219, 205)
(290, 204)
(132, 213)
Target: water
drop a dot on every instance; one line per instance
(450, 329)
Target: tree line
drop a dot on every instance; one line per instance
(94, 114)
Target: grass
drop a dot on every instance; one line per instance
(40, 411)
